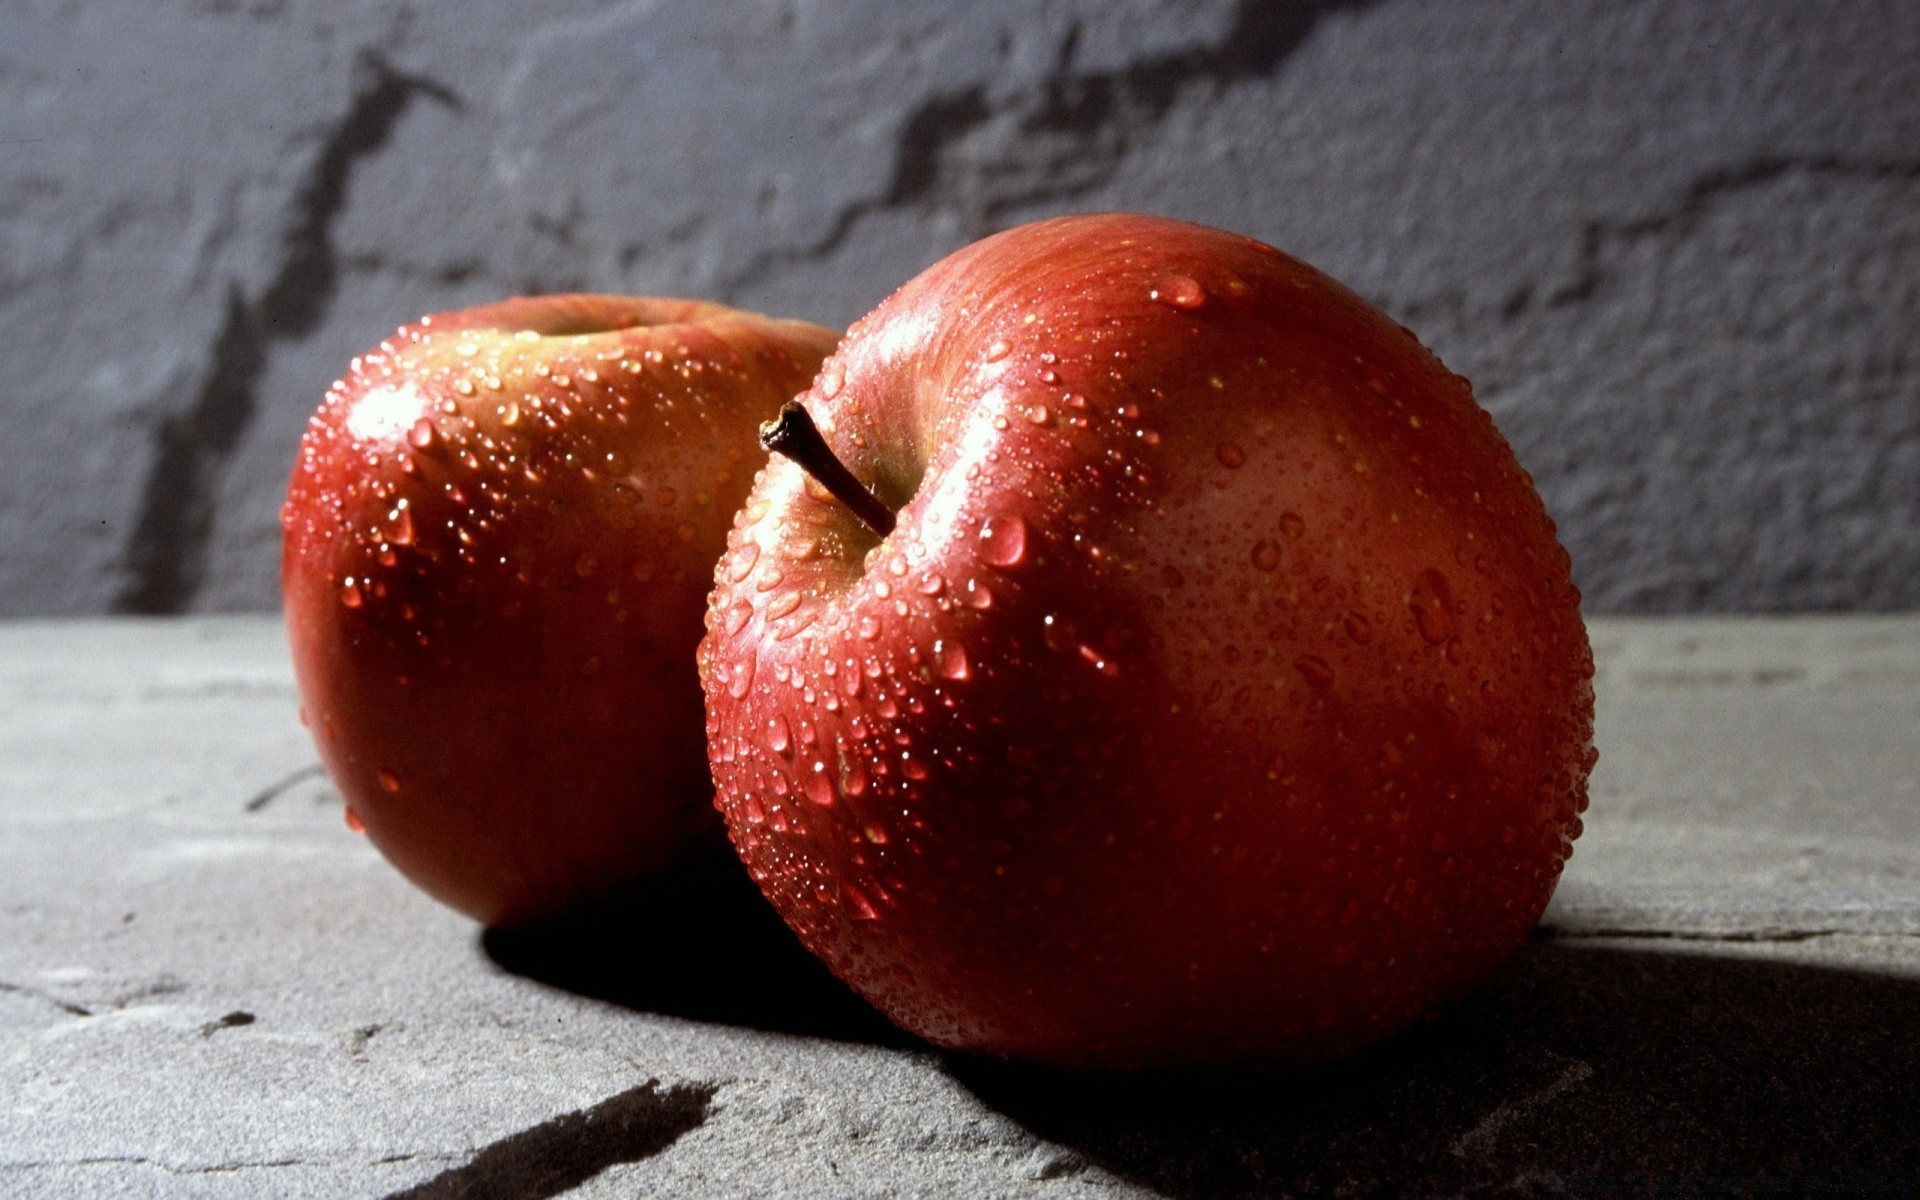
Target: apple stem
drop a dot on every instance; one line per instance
(794, 434)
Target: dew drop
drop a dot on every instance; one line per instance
(980, 596)
(400, 525)
(1179, 291)
(421, 436)
(869, 628)
(389, 782)
(832, 380)
(912, 768)
(742, 676)
(354, 822)
(1358, 628)
(1231, 456)
(1432, 604)
(1003, 541)
(1266, 555)
(1292, 525)
(1039, 415)
(875, 833)
(951, 659)
(350, 595)
(1276, 766)
(819, 787)
(779, 736)
(585, 566)
(738, 613)
(743, 560)
(1314, 669)
(856, 903)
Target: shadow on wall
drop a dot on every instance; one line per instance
(1578, 1070)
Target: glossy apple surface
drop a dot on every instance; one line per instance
(1221, 695)
(498, 539)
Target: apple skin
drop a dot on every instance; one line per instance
(1220, 697)
(498, 539)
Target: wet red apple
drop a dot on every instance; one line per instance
(1157, 659)
(498, 538)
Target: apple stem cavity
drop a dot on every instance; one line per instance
(794, 435)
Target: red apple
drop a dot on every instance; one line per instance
(498, 538)
(1221, 694)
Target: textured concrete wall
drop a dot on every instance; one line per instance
(1675, 244)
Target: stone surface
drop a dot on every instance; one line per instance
(209, 987)
(1677, 245)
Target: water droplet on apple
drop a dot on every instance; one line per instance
(819, 785)
(951, 660)
(875, 833)
(832, 379)
(743, 671)
(1099, 660)
(853, 777)
(1231, 456)
(1179, 291)
(779, 736)
(741, 611)
(1049, 375)
(585, 566)
(1358, 628)
(743, 560)
(751, 810)
(856, 903)
(912, 768)
(350, 595)
(1276, 766)
(1039, 415)
(868, 628)
(1292, 525)
(1314, 669)
(1003, 540)
(389, 782)
(400, 525)
(1432, 604)
(354, 822)
(421, 436)
(980, 596)
(1266, 554)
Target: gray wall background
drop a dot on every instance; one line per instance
(1675, 244)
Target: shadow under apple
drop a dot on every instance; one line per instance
(698, 942)
(1578, 1070)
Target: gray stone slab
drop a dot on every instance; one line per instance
(1674, 244)
(209, 987)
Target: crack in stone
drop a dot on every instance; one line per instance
(564, 1152)
(169, 1168)
(1591, 275)
(1699, 197)
(1734, 936)
(19, 989)
(166, 553)
(1058, 140)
